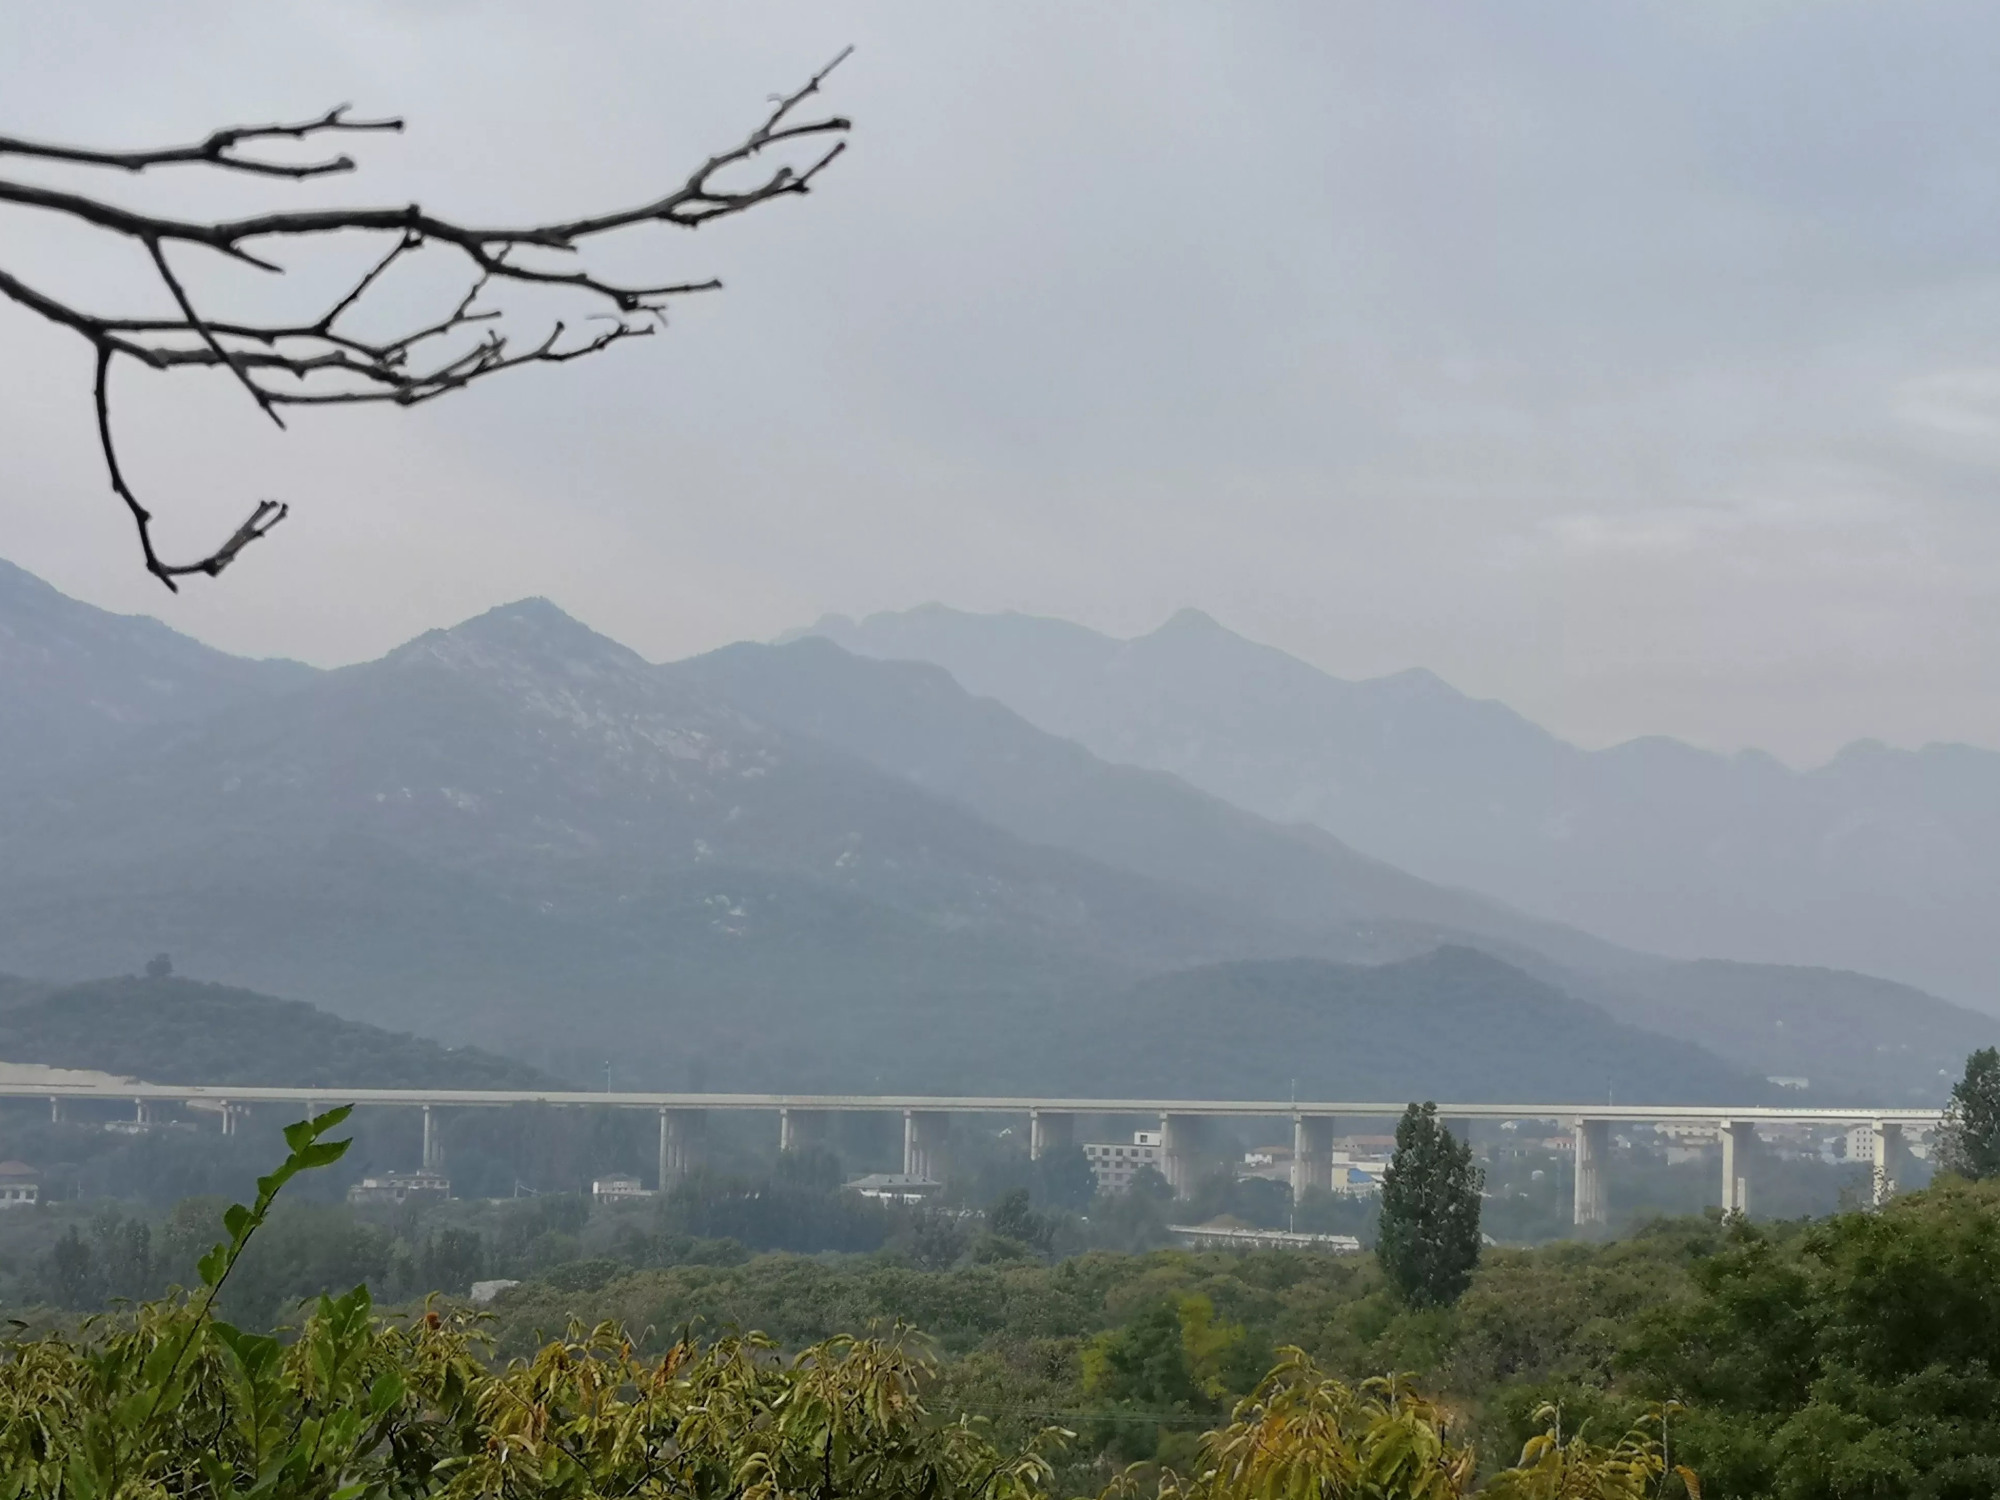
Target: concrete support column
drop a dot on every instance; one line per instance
(680, 1143)
(228, 1118)
(433, 1149)
(55, 1109)
(799, 1128)
(141, 1115)
(1593, 1145)
(1049, 1130)
(1181, 1139)
(924, 1135)
(1888, 1159)
(1312, 1153)
(1739, 1138)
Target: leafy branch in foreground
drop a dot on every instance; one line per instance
(324, 360)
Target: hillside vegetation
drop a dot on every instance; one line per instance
(180, 1031)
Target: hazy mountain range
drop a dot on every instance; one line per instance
(1884, 861)
(790, 867)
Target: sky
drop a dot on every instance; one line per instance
(1635, 364)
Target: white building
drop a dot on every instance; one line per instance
(1356, 1175)
(20, 1185)
(1241, 1237)
(617, 1190)
(401, 1187)
(894, 1187)
(1114, 1164)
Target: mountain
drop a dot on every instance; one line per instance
(1851, 1034)
(769, 869)
(1453, 1024)
(74, 679)
(177, 1031)
(915, 721)
(1884, 861)
(519, 833)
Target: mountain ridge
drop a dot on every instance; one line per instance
(1880, 860)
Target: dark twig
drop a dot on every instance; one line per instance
(216, 150)
(322, 363)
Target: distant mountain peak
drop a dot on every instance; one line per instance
(526, 632)
(1192, 621)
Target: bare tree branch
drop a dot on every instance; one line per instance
(217, 151)
(321, 363)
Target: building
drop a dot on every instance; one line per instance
(1231, 1236)
(618, 1190)
(1113, 1165)
(401, 1187)
(894, 1187)
(20, 1185)
(1356, 1175)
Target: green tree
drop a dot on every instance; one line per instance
(70, 1272)
(1063, 1178)
(1012, 1219)
(1852, 1358)
(1969, 1143)
(1428, 1242)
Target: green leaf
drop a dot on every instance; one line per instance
(323, 1123)
(322, 1153)
(238, 1221)
(385, 1393)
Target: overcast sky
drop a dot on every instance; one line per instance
(1636, 364)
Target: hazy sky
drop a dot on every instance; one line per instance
(1636, 364)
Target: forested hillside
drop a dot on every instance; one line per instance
(172, 1030)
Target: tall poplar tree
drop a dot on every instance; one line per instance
(1428, 1242)
(1970, 1141)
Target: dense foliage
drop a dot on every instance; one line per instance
(173, 1401)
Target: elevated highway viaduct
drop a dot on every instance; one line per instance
(1051, 1122)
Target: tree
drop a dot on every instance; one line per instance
(159, 966)
(1063, 1178)
(330, 357)
(1969, 1143)
(1428, 1242)
(1013, 1219)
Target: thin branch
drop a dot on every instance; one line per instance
(321, 364)
(267, 514)
(216, 150)
(194, 321)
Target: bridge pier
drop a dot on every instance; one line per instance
(433, 1147)
(1889, 1160)
(1181, 1140)
(55, 1109)
(924, 1134)
(228, 1118)
(1593, 1145)
(1739, 1139)
(800, 1128)
(1049, 1130)
(680, 1143)
(1312, 1153)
